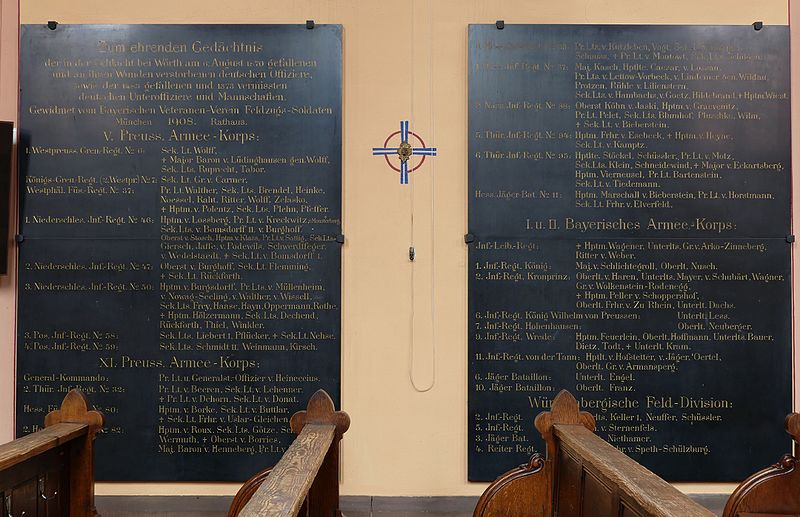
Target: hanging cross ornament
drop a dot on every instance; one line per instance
(404, 151)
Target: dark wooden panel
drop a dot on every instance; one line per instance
(628, 512)
(598, 498)
(32, 467)
(25, 498)
(568, 485)
(44, 474)
(54, 491)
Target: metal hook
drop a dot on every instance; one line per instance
(41, 490)
(7, 505)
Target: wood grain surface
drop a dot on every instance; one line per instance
(283, 492)
(638, 487)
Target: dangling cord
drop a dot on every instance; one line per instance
(433, 227)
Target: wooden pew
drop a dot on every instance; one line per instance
(581, 475)
(773, 491)
(306, 479)
(51, 472)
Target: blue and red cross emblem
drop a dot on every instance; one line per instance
(404, 151)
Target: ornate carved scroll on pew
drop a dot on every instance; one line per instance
(582, 475)
(307, 476)
(51, 472)
(774, 490)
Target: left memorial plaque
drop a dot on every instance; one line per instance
(180, 221)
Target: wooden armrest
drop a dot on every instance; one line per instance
(39, 442)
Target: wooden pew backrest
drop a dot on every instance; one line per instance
(596, 479)
(51, 472)
(581, 476)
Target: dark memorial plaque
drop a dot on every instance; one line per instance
(181, 213)
(629, 200)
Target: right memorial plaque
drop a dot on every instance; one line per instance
(629, 228)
